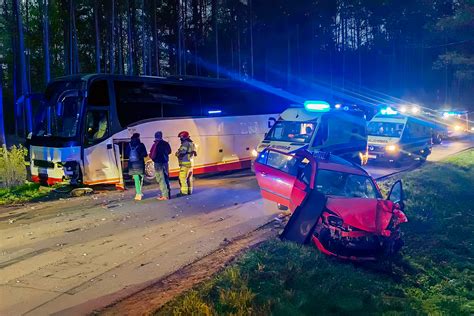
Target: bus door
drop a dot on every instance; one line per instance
(101, 155)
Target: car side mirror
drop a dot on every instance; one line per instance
(396, 194)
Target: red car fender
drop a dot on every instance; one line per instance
(400, 216)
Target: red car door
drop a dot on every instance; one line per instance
(283, 178)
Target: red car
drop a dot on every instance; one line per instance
(335, 203)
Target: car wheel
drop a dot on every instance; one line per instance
(282, 207)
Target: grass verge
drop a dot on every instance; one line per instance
(27, 192)
(433, 276)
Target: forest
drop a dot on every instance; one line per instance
(418, 50)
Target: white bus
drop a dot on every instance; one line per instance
(395, 137)
(87, 120)
(317, 126)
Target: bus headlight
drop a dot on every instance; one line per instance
(391, 148)
(254, 153)
(457, 127)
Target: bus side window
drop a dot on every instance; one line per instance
(98, 93)
(97, 127)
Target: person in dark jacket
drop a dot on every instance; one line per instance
(137, 153)
(159, 153)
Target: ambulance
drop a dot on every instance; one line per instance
(394, 137)
(317, 126)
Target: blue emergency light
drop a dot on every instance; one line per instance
(317, 106)
(214, 112)
(388, 111)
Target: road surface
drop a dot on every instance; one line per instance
(76, 255)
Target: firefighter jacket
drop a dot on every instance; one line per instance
(186, 152)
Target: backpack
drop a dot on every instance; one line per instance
(134, 156)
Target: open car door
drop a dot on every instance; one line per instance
(284, 178)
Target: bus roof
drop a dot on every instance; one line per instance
(182, 80)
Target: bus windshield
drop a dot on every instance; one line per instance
(295, 132)
(60, 111)
(60, 119)
(385, 129)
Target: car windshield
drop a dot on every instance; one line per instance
(386, 129)
(60, 111)
(345, 184)
(295, 132)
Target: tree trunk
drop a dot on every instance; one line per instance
(129, 40)
(144, 39)
(97, 37)
(47, 69)
(25, 89)
(3, 140)
(251, 37)
(156, 44)
(120, 43)
(214, 10)
(112, 38)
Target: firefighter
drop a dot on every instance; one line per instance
(185, 155)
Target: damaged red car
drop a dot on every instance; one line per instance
(334, 203)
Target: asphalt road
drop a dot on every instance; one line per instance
(75, 255)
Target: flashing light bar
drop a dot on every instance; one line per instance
(214, 112)
(317, 106)
(388, 111)
(415, 110)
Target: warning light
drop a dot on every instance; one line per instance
(214, 112)
(388, 111)
(317, 106)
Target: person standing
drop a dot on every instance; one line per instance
(159, 153)
(136, 163)
(185, 155)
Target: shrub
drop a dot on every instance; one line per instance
(12, 166)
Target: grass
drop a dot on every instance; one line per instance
(434, 274)
(23, 193)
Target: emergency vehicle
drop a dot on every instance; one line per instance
(334, 203)
(395, 137)
(86, 121)
(457, 122)
(317, 126)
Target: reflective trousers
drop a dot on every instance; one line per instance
(163, 178)
(186, 178)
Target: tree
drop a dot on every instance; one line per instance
(3, 140)
(25, 87)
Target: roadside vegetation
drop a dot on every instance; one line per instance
(13, 185)
(434, 274)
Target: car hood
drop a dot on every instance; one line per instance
(371, 215)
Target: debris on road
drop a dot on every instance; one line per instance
(81, 192)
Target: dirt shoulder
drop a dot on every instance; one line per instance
(156, 295)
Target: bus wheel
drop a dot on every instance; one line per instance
(437, 139)
(149, 176)
(282, 207)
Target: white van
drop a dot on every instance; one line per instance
(394, 137)
(317, 126)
